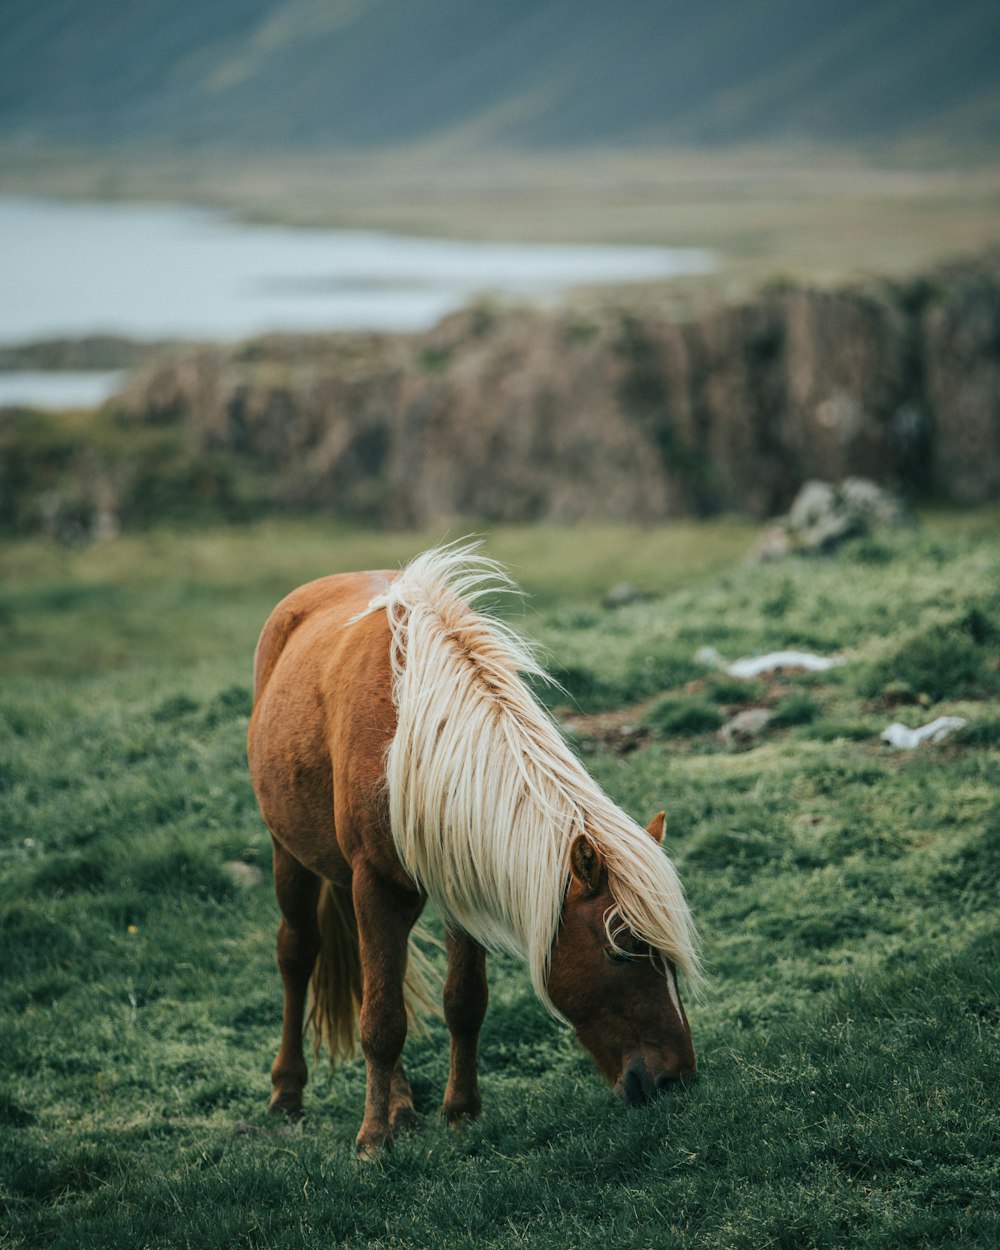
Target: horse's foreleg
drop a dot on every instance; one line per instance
(385, 916)
(465, 996)
(297, 891)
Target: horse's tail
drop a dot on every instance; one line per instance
(337, 981)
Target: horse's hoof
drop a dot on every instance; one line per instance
(286, 1107)
(459, 1117)
(370, 1151)
(404, 1120)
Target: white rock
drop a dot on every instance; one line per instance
(904, 739)
(746, 727)
(245, 876)
(824, 513)
(804, 661)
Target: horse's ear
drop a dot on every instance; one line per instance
(657, 827)
(585, 863)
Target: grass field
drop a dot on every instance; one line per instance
(849, 1037)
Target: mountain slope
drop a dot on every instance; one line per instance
(525, 73)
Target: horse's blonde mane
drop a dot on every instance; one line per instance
(485, 796)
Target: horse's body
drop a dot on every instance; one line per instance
(396, 755)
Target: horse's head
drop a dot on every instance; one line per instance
(620, 997)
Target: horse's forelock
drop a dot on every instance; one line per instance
(649, 899)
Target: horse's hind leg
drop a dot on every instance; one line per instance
(402, 1115)
(465, 995)
(297, 890)
(385, 915)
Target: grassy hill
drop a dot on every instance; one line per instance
(850, 1034)
(549, 73)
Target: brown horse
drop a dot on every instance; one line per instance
(397, 756)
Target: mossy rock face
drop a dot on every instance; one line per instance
(417, 430)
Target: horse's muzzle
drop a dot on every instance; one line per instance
(637, 1086)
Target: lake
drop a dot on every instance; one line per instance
(149, 272)
(69, 388)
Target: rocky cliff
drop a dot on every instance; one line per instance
(525, 415)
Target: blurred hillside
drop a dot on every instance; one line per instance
(526, 73)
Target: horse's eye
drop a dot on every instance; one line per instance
(619, 957)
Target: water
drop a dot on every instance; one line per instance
(66, 389)
(152, 272)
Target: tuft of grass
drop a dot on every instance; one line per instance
(945, 659)
(683, 717)
(980, 733)
(649, 671)
(831, 730)
(733, 690)
(796, 709)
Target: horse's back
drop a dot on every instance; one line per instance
(323, 607)
(322, 717)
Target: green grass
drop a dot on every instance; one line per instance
(683, 716)
(796, 709)
(849, 1037)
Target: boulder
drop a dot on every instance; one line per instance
(824, 514)
(746, 728)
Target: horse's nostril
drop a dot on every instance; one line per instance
(634, 1088)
